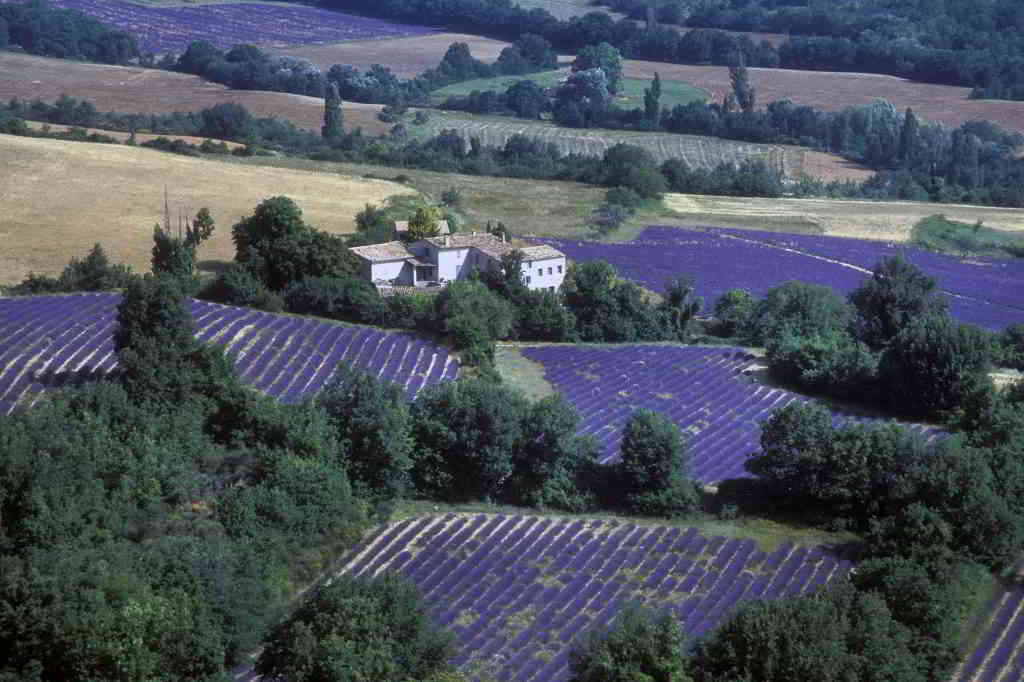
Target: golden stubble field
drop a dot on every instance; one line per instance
(58, 198)
(880, 220)
(134, 90)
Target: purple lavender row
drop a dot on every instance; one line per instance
(171, 29)
(988, 293)
(47, 342)
(702, 390)
(511, 587)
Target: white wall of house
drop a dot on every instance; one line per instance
(452, 265)
(389, 270)
(545, 273)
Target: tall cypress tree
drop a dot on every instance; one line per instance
(652, 100)
(332, 114)
(909, 138)
(745, 95)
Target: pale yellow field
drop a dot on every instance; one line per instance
(882, 220)
(58, 198)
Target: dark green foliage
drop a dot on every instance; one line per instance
(797, 308)
(830, 363)
(858, 471)
(742, 90)
(276, 245)
(336, 298)
(651, 477)
(680, 307)
(733, 312)
(95, 272)
(840, 635)
(652, 101)
(601, 56)
(932, 598)
(1010, 347)
(227, 121)
(64, 33)
(553, 468)
(472, 317)
(371, 420)
(175, 255)
(625, 165)
(358, 629)
(332, 128)
(939, 233)
(897, 294)
(542, 317)
(625, 197)
(237, 286)
(467, 435)
(915, 532)
(607, 308)
(640, 646)
(933, 367)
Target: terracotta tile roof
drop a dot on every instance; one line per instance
(380, 253)
(484, 242)
(541, 252)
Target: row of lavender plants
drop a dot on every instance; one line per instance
(50, 341)
(999, 655)
(986, 293)
(705, 391)
(160, 30)
(517, 590)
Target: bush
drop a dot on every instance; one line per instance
(651, 476)
(896, 295)
(797, 308)
(831, 363)
(641, 645)
(625, 197)
(237, 286)
(337, 298)
(733, 312)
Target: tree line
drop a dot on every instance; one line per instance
(48, 31)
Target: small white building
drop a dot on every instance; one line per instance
(438, 260)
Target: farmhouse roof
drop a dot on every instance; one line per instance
(380, 253)
(403, 226)
(484, 242)
(541, 252)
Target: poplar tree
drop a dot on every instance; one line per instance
(652, 101)
(332, 114)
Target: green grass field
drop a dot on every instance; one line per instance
(631, 96)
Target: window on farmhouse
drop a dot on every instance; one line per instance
(549, 271)
(559, 269)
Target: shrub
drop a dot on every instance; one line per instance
(237, 286)
(337, 298)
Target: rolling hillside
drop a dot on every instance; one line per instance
(114, 194)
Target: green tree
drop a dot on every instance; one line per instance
(829, 363)
(641, 646)
(650, 477)
(425, 223)
(176, 255)
(742, 90)
(733, 312)
(909, 138)
(798, 308)
(353, 628)
(609, 309)
(473, 317)
(372, 423)
(896, 294)
(277, 246)
(652, 102)
(681, 306)
(467, 436)
(934, 367)
(337, 298)
(835, 636)
(625, 165)
(601, 56)
(553, 467)
(332, 127)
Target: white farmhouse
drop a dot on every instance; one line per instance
(438, 260)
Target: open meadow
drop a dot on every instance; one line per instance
(630, 95)
(830, 90)
(114, 194)
(135, 90)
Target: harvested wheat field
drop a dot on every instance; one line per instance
(59, 198)
(881, 220)
(406, 57)
(834, 90)
(131, 89)
(122, 136)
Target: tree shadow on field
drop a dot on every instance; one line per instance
(72, 379)
(213, 266)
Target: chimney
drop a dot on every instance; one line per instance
(445, 240)
(502, 237)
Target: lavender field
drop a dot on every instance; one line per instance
(516, 590)
(170, 29)
(989, 293)
(703, 390)
(48, 341)
(999, 655)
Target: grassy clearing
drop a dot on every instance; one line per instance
(61, 197)
(938, 233)
(549, 208)
(881, 220)
(769, 534)
(521, 373)
(631, 95)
